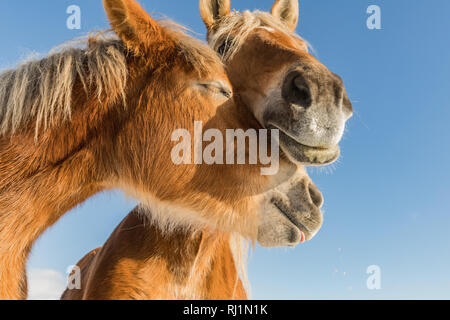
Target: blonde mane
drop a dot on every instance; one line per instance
(41, 90)
(237, 26)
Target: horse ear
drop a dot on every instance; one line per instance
(132, 24)
(287, 11)
(213, 10)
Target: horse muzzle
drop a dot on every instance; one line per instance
(292, 213)
(310, 111)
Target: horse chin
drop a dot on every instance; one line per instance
(284, 227)
(306, 155)
(290, 213)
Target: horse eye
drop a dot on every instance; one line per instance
(221, 49)
(217, 88)
(224, 47)
(225, 92)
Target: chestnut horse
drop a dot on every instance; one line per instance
(133, 265)
(85, 120)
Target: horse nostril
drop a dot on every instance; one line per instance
(316, 195)
(301, 92)
(296, 90)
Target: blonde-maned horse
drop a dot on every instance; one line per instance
(85, 120)
(199, 264)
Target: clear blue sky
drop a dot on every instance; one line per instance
(387, 198)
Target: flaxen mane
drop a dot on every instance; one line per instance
(41, 90)
(237, 26)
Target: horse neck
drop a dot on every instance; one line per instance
(42, 178)
(201, 263)
(150, 263)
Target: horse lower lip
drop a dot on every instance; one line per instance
(303, 145)
(322, 155)
(306, 154)
(299, 226)
(313, 148)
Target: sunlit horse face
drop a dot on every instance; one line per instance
(283, 85)
(226, 196)
(175, 81)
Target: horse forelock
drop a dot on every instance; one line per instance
(236, 27)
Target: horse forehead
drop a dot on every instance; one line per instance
(216, 73)
(208, 71)
(282, 39)
(275, 47)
